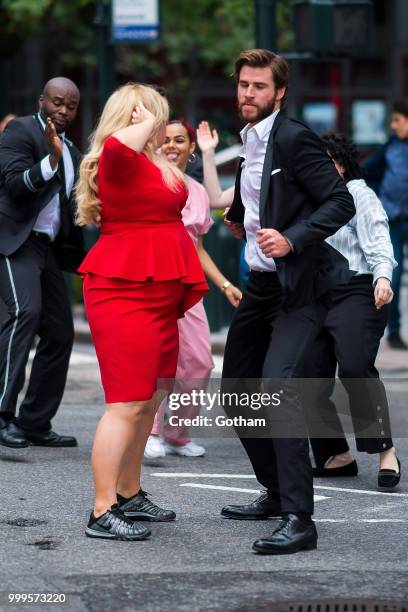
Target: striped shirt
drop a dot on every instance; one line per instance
(365, 240)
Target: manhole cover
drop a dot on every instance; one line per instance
(44, 544)
(24, 522)
(330, 605)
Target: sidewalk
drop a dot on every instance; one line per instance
(388, 360)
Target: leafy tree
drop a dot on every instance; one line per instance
(200, 39)
(66, 29)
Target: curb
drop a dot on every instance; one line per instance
(388, 360)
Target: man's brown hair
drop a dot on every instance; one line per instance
(263, 58)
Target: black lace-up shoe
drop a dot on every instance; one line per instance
(11, 435)
(50, 438)
(263, 507)
(114, 525)
(293, 534)
(140, 507)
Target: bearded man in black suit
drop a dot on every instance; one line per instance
(38, 241)
(288, 198)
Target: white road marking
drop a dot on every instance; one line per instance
(383, 520)
(361, 491)
(199, 475)
(252, 476)
(218, 360)
(317, 520)
(194, 485)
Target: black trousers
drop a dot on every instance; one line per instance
(266, 341)
(350, 339)
(33, 289)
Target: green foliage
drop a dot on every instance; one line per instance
(19, 12)
(66, 26)
(199, 37)
(284, 25)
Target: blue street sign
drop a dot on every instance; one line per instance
(135, 20)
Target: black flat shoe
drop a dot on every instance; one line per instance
(142, 508)
(389, 478)
(12, 436)
(350, 469)
(51, 438)
(293, 534)
(114, 525)
(263, 507)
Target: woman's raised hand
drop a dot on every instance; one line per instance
(140, 114)
(207, 139)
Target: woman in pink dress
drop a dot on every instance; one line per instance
(195, 361)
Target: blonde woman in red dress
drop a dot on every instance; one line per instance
(142, 275)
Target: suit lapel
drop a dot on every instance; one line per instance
(39, 130)
(75, 159)
(237, 211)
(266, 177)
(267, 167)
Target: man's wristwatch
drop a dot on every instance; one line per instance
(225, 285)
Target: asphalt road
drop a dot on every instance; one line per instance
(202, 561)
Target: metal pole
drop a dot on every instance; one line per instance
(265, 24)
(105, 52)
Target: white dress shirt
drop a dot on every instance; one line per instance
(254, 139)
(49, 219)
(365, 240)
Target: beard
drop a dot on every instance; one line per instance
(261, 111)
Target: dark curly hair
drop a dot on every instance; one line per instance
(344, 151)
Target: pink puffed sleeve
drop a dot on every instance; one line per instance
(196, 213)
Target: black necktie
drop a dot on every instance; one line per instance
(65, 212)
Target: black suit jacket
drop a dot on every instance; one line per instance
(24, 193)
(303, 197)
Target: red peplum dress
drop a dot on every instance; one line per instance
(142, 274)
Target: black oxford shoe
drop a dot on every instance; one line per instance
(12, 436)
(51, 438)
(294, 533)
(263, 507)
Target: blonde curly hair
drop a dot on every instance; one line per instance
(116, 115)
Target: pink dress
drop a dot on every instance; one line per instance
(195, 362)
